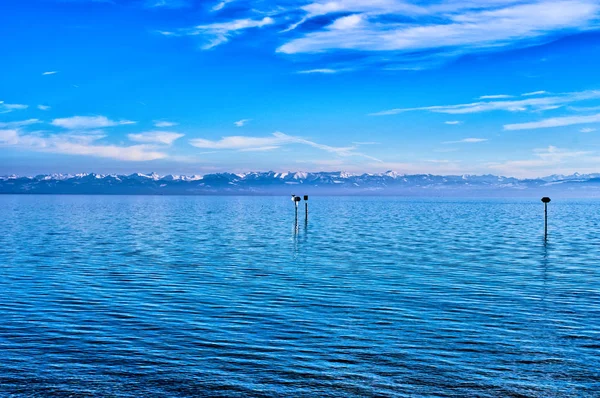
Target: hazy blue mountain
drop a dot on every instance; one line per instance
(272, 183)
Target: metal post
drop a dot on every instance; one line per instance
(296, 200)
(306, 207)
(546, 200)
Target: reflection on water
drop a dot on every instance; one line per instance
(192, 296)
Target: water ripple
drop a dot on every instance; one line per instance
(213, 296)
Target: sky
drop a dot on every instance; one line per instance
(504, 87)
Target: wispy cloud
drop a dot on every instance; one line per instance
(219, 33)
(167, 3)
(496, 96)
(467, 141)
(453, 122)
(20, 123)
(424, 34)
(243, 143)
(554, 122)
(535, 93)
(259, 149)
(587, 130)
(584, 108)
(6, 108)
(517, 105)
(319, 71)
(88, 122)
(156, 137)
(78, 144)
(241, 123)
(220, 5)
(53, 72)
(43, 107)
(500, 24)
(163, 123)
(547, 161)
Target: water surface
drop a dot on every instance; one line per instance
(225, 296)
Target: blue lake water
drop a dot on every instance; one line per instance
(224, 296)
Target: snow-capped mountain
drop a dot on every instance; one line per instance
(272, 183)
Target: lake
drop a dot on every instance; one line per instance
(136, 296)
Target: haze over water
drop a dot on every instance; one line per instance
(187, 296)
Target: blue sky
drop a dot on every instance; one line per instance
(181, 86)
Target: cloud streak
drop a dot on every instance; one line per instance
(88, 122)
(156, 137)
(221, 32)
(17, 124)
(545, 161)
(276, 140)
(471, 30)
(554, 122)
(324, 71)
(7, 108)
(78, 144)
(517, 105)
(497, 96)
(241, 123)
(166, 4)
(467, 141)
(163, 123)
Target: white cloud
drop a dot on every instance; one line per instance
(220, 5)
(20, 123)
(499, 25)
(587, 130)
(162, 123)
(43, 107)
(535, 93)
(519, 105)
(467, 141)
(453, 122)
(156, 137)
(270, 142)
(320, 71)
(220, 32)
(79, 144)
(88, 122)
(49, 73)
(496, 96)
(167, 3)
(554, 122)
(240, 142)
(584, 108)
(6, 108)
(241, 123)
(348, 22)
(546, 161)
(555, 154)
(9, 137)
(259, 149)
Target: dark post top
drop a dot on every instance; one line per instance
(546, 199)
(305, 197)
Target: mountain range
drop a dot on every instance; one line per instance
(300, 183)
